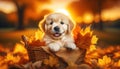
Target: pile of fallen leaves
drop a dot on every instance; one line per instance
(104, 58)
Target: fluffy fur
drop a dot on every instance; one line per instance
(57, 30)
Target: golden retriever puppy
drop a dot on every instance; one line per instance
(57, 29)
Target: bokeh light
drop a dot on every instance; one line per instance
(7, 7)
(88, 18)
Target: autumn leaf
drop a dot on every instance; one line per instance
(82, 37)
(52, 61)
(94, 39)
(37, 43)
(83, 41)
(105, 61)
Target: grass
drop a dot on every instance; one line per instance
(11, 36)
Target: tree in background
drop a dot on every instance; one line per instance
(20, 11)
(22, 6)
(79, 7)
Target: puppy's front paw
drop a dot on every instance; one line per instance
(54, 47)
(70, 46)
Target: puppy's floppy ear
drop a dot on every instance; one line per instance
(70, 26)
(42, 25)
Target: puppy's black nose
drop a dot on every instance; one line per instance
(57, 29)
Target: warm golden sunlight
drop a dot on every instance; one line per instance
(88, 18)
(7, 7)
(88, 37)
(64, 11)
(79, 19)
(111, 14)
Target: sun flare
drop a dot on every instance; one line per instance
(64, 11)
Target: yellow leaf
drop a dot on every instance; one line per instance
(101, 62)
(92, 47)
(105, 61)
(94, 39)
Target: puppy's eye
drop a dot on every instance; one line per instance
(61, 22)
(51, 23)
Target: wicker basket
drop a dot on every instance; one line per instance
(35, 53)
(39, 53)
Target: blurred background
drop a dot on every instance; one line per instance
(21, 17)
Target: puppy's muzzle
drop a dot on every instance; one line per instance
(57, 29)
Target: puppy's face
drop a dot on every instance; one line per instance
(56, 25)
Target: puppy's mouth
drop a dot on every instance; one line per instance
(57, 34)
